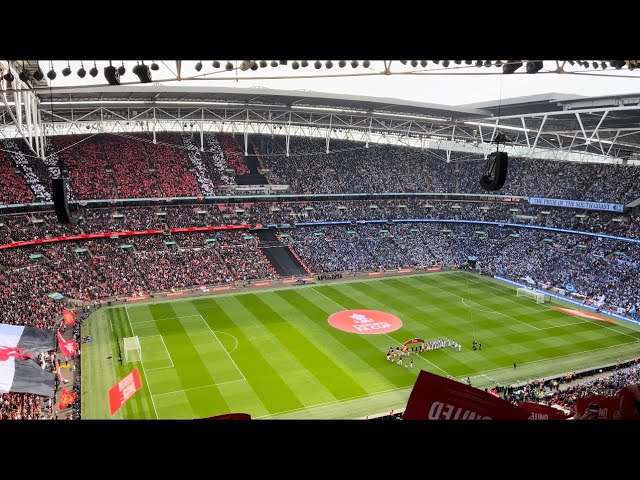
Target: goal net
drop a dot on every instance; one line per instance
(525, 292)
(132, 351)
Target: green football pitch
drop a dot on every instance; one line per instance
(273, 354)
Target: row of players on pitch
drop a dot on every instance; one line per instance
(422, 347)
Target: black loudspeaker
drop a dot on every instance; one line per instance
(60, 202)
(495, 172)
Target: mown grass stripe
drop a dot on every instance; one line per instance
(270, 388)
(329, 373)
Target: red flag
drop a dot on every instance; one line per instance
(124, 390)
(69, 317)
(538, 411)
(627, 409)
(66, 398)
(69, 348)
(438, 398)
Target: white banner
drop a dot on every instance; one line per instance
(558, 202)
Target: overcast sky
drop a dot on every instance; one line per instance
(472, 85)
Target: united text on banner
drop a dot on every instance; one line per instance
(438, 398)
(124, 390)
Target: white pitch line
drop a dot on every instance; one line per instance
(555, 358)
(492, 311)
(228, 334)
(165, 347)
(142, 364)
(335, 401)
(531, 308)
(203, 386)
(565, 325)
(483, 306)
(494, 287)
(328, 298)
(225, 350)
(168, 318)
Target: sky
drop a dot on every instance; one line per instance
(455, 85)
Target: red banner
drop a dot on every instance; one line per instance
(124, 390)
(606, 406)
(538, 411)
(628, 408)
(68, 317)
(68, 349)
(438, 398)
(136, 299)
(66, 398)
(219, 289)
(176, 294)
(413, 340)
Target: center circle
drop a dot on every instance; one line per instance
(365, 322)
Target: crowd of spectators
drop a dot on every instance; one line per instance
(234, 154)
(110, 267)
(87, 165)
(33, 171)
(24, 406)
(19, 227)
(352, 168)
(565, 391)
(595, 267)
(13, 188)
(104, 166)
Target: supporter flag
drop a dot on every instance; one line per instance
(438, 398)
(538, 411)
(66, 398)
(607, 406)
(626, 408)
(69, 348)
(69, 317)
(19, 372)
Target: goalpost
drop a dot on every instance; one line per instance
(132, 351)
(525, 292)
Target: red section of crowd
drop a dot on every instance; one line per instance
(87, 166)
(13, 188)
(234, 154)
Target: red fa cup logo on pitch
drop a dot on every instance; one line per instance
(365, 322)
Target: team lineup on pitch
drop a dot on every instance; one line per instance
(308, 351)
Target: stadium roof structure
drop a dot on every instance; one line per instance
(550, 126)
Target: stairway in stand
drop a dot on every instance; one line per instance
(278, 254)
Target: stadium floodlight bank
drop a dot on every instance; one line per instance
(132, 352)
(525, 292)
